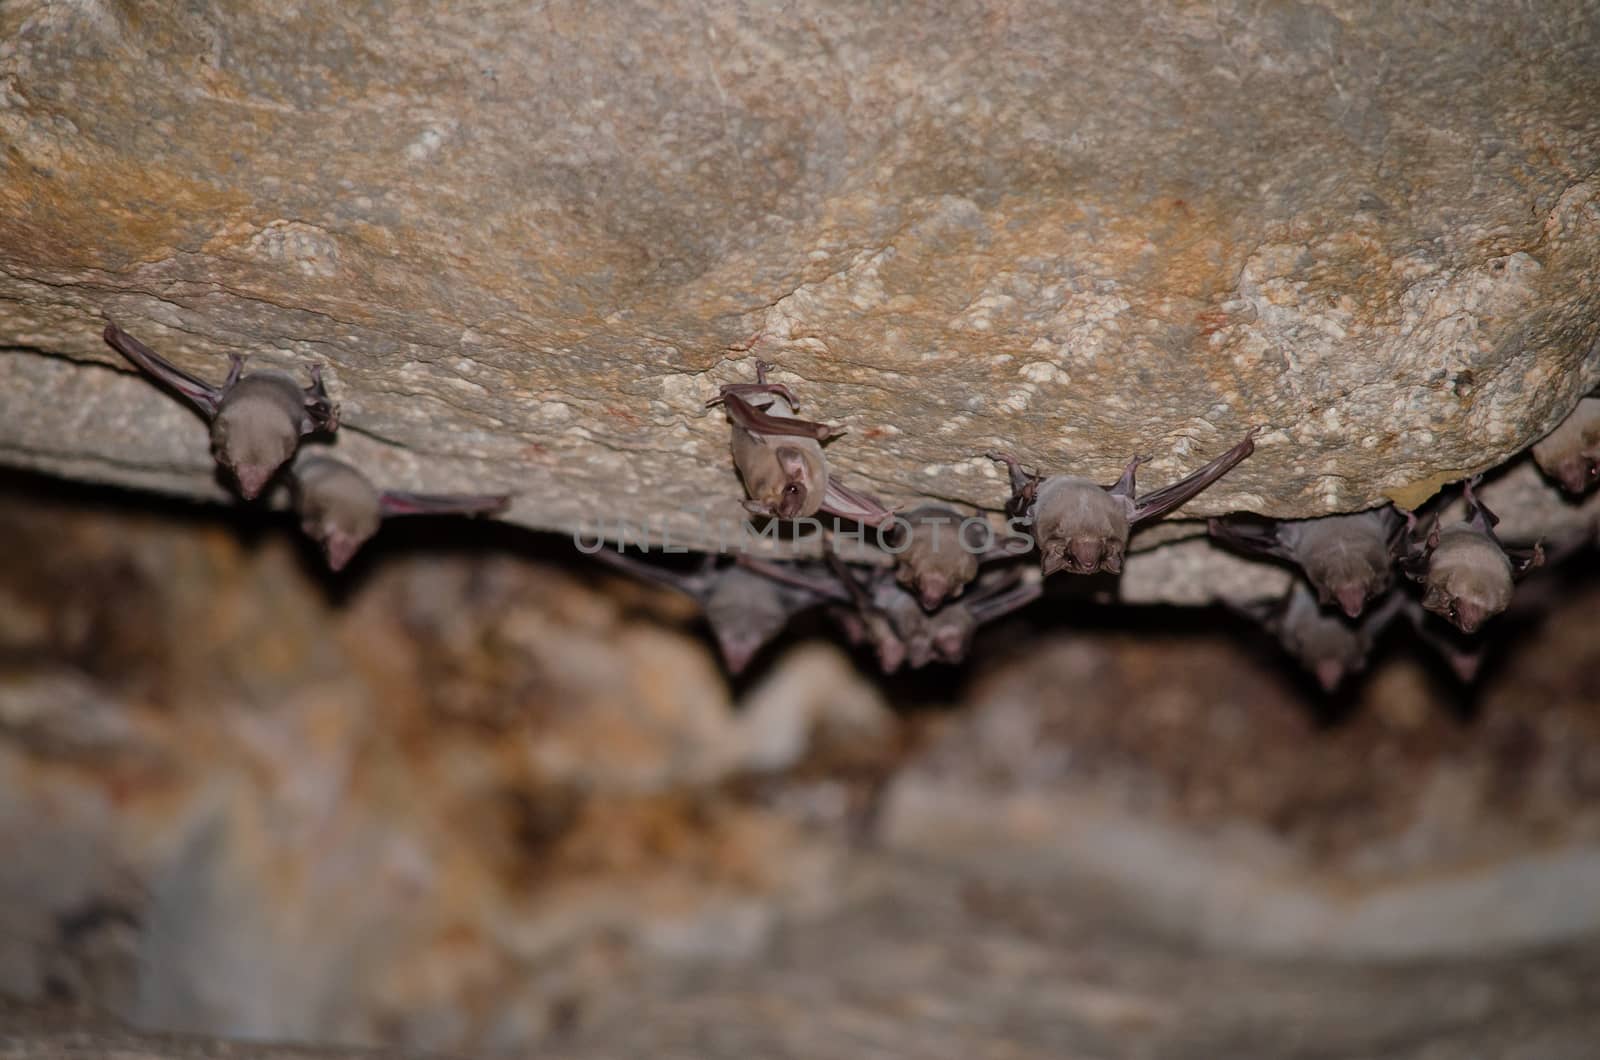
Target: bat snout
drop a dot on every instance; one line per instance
(252, 479)
(1088, 553)
(1330, 674)
(1467, 615)
(339, 548)
(1352, 599)
(932, 589)
(737, 650)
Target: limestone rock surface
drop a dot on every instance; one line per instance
(528, 242)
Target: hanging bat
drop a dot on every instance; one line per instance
(340, 509)
(1083, 527)
(779, 456)
(1464, 657)
(1349, 559)
(941, 550)
(1570, 454)
(257, 420)
(877, 615)
(747, 602)
(1331, 647)
(1467, 574)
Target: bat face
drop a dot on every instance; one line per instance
(1347, 558)
(256, 429)
(1577, 473)
(1570, 454)
(907, 621)
(786, 475)
(936, 562)
(1469, 579)
(951, 629)
(745, 611)
(339, 509)
(875, 628)
(1079, 526)
(1327, 645)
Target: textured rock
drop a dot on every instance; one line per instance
(530, 243)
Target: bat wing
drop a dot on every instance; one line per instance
(201, 395)
(697, 585)
(1249, 536)
(1524, 560)
(1415, 543)
(1005, 601)
(785, 574)
(853, 588)
(1160, 502)
(839, 499)
(753, 390)
(321, 413)
(393, 502)
(759, 423)
(1265, 613)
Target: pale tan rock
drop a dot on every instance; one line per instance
(530, 244)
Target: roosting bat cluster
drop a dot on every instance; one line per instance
(949, 573)
(943, 572)
(257, 422)
(919, 608)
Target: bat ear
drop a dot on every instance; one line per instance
(1524, 560)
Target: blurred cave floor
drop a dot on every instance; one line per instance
(477, 796)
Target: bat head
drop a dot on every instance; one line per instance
(791, 499)
(1081, 555)
(1350, 596)
(953, 631)
(1578, 473)
(1466, 613)
(801, 492)
(1080, 527)
(939, 554)
(892, 653)
(1469, 578)
(252, 439)
(1327, 645)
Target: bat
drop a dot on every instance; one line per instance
(1331, 647)
(951, 628)
(1082, 527)
(1536, 596)
(940, 550)
(1570, 454)
(1467, 574)
(340, 509)
(257, 419)
(780, 459)
(747, 602)
(878, 616)
(1464, 657)
(1349, 559)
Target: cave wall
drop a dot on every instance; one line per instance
(529, 243)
